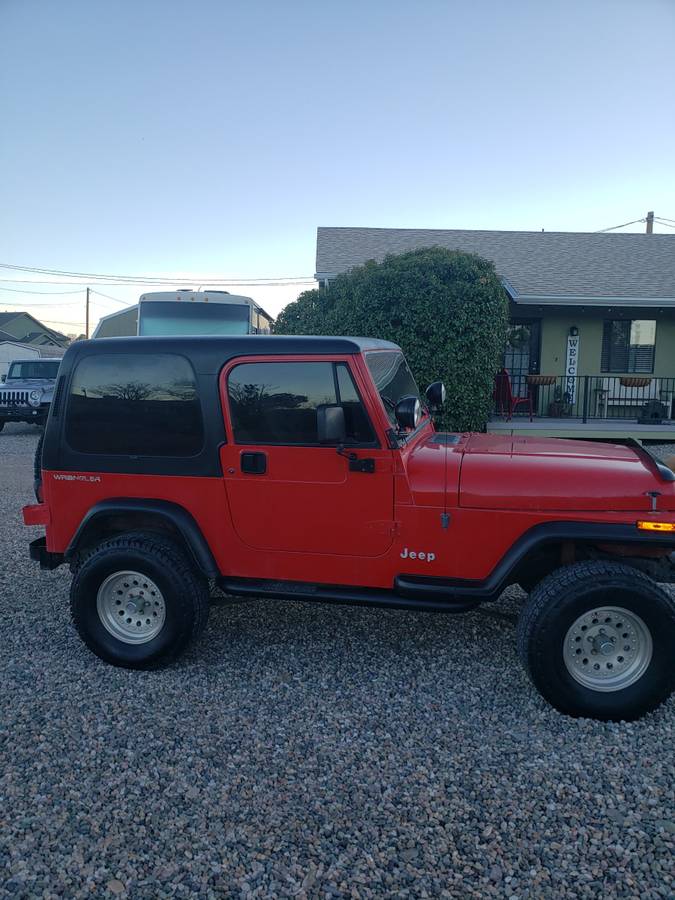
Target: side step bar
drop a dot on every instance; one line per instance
(416, 596)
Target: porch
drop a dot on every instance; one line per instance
(590, 406)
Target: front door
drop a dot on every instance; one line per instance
(286, 492)
(521, 356)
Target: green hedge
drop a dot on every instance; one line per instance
(446, 309)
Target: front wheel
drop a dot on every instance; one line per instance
(137, 601)
(598, 640)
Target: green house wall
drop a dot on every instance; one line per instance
(555, 328)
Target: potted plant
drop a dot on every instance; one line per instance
(561, 405)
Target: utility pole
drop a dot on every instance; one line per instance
(650, 222)
(86, 316)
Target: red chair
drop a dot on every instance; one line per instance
(505, 402)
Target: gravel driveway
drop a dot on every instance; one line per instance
(308, 751)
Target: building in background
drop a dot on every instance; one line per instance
(592, 336)
(24, 337)
(122, 323)
(21, 326)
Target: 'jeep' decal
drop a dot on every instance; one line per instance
(424, 555)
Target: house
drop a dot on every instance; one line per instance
(21, 326)
(121, 323)
(24, 337)
(592, 336)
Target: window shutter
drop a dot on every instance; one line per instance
(615, 349)
(606, 343)
(642, 359)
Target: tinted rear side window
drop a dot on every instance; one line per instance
(129, 404)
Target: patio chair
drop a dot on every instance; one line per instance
(505, 401)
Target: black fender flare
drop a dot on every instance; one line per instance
(537, 536)
(172, 513)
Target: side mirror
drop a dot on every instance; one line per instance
(330, 424)
(3, 378)
(408, 412)
(435, 395)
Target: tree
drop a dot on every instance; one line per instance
(302, 316)
(132, 390)
(446, 309)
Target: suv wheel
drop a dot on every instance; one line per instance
(598, 640)
(137, 602)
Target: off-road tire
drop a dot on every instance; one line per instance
(558, 601)
(184, 591)
(528, 585)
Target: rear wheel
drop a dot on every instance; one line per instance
(137, 602)
(528, 584)
(598, 640)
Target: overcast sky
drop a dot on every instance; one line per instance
(211, 138)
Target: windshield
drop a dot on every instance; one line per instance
(169, 317)
(33, 369)
(393, 379)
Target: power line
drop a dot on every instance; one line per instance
(116, 299)
(33, 305)
(157, 279)
(665, 218)
(661, 222)
(169, 283)
(614, 227)
(49, 293)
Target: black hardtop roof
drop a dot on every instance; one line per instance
(209, 353)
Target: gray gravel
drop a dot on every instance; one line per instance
(664, 450)
(309, 751)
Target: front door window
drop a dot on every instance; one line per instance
(277, 403)
(521, 356)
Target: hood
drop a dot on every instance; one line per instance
(504, 472)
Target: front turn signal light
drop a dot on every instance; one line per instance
(656, 526)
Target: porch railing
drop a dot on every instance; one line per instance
(595, 396)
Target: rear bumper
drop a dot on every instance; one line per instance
(39, 553)
(23, 414)
(36, 514)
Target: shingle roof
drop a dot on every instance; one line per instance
(568, 266)
(29, 337)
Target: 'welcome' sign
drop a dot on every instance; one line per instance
(571, 367)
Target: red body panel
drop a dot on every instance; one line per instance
(545, 474)
(309, 518)
(308, 500)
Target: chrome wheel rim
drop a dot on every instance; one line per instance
(131, 607)
(608, 649)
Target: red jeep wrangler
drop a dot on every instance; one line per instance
(309, 468)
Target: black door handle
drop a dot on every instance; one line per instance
(254, 463)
